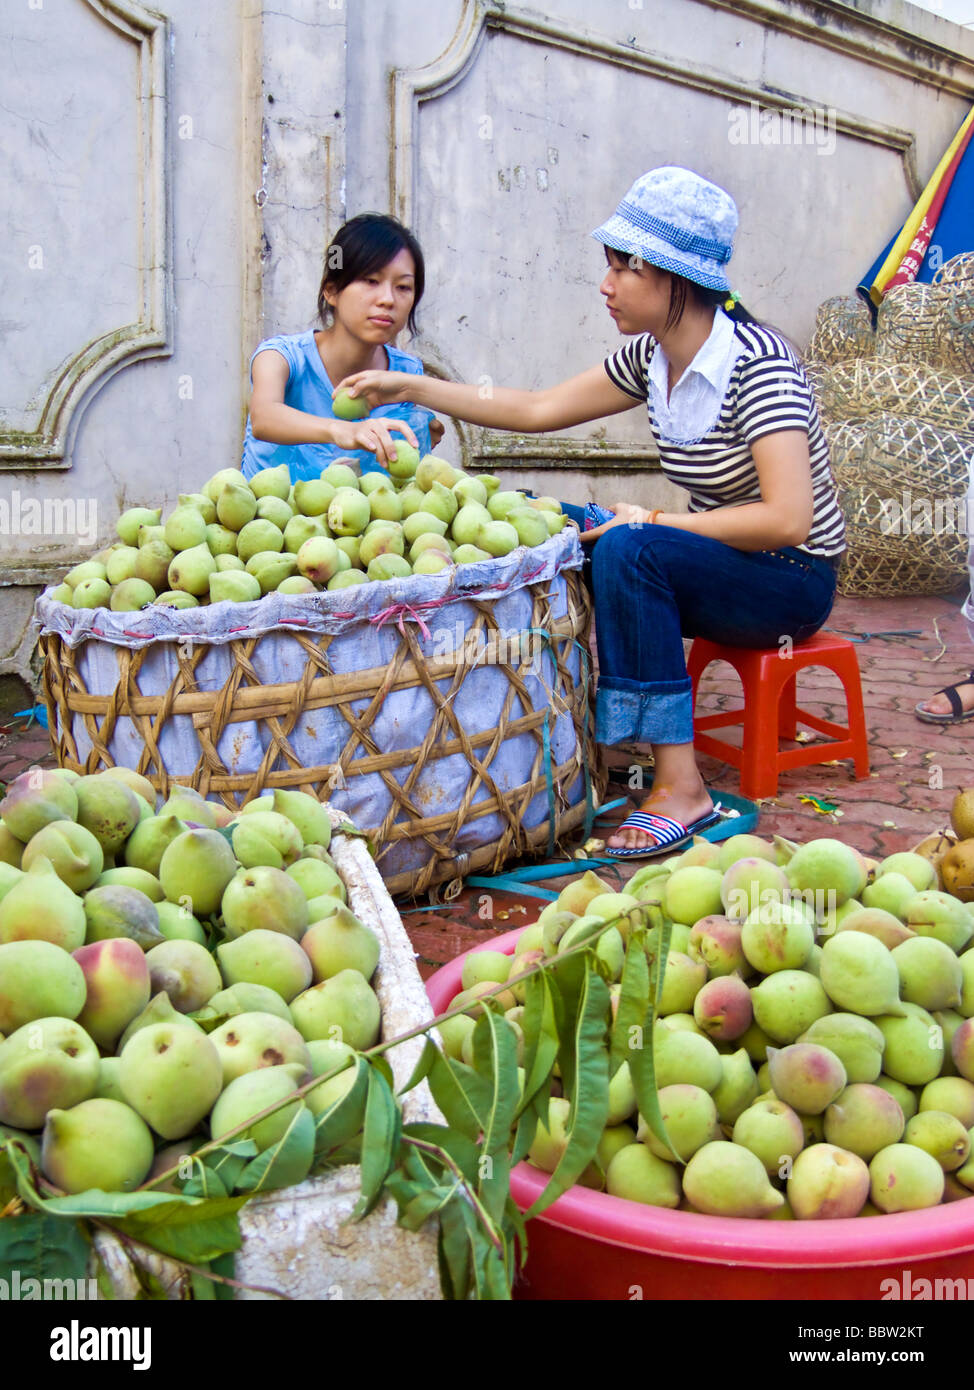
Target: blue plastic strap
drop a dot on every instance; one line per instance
(508, 883)
(538, 871)
(38, 714)
(430, 907)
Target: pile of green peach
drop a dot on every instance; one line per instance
(237, 540)
(166, 974)
(814, 1041)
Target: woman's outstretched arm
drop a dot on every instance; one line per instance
(782, 517)
(588, 396)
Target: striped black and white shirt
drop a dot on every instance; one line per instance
(767, 391)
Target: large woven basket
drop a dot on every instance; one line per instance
(442, 797)
(898, 411)
(902, 485)
(856, 390)
(931, 323)
(843, 332)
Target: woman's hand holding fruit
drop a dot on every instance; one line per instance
(374, 435)
(379, 388)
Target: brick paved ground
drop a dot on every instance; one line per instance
(916, 768)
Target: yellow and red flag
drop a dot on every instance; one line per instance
(945, 209)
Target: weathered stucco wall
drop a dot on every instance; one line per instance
(178, 172)
(124, 274)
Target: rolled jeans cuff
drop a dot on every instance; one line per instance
(629, 712)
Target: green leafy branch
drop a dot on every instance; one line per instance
(457, 1172)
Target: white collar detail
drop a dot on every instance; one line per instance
(694, 403)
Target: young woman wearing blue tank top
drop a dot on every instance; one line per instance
(372, 283)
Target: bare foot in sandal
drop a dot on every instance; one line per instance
(686, 805)
(952, 705)
(679, 793)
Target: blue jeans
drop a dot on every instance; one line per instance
(655, 585)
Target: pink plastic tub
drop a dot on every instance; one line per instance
(593, 1246)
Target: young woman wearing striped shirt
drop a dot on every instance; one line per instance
(754, 560)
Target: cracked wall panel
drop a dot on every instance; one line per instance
(73, 194)
(161, 425)
(511, 175)
(304, 80)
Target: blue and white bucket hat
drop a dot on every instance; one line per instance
(677, 221)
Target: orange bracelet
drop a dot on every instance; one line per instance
(654, 514)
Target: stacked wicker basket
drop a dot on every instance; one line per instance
(898, 409)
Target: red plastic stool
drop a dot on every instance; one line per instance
(771, 711)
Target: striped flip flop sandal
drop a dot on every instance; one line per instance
(668, 834)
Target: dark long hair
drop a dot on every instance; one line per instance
(364, 245)
(681, 289)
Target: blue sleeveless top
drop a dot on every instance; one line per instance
(309, 389)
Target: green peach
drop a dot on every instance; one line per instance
(725, 1179)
